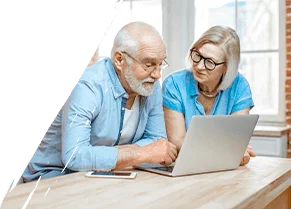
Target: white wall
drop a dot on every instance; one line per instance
(178, 32)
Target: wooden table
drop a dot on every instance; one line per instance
(264, 182)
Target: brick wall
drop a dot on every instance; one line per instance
(288, 70)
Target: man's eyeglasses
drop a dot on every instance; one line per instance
(149, 68)
(208, 62)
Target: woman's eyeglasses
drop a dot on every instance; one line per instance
(208, 62)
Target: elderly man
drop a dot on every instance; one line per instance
(113, 117)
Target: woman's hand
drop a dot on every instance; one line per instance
(247, 156)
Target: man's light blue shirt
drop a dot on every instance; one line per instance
(180, 93)
(89, 125)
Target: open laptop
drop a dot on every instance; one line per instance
(212, 143)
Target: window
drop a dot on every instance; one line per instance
(257, 24)
(260, 25)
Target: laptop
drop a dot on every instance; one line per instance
(212, 143)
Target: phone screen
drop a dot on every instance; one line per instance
(100, 173)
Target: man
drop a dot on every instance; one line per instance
(113, 117)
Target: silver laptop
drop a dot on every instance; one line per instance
(212, 143)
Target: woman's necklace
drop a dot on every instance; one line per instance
(206, 102)
(208, 94)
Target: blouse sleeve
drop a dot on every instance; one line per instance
(171, 95)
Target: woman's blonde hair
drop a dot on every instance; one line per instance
(227, 39)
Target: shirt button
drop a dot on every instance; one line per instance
(121, 132)
(123, 108)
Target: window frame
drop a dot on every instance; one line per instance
(185, 33)
(175, 49)
(281, 116)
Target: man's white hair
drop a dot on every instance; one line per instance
(128, 37)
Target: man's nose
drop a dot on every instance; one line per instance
(156, 74)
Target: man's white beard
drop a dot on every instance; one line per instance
(136, 85)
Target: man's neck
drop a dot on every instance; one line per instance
(130, 101)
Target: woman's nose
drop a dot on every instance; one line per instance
(200, 65)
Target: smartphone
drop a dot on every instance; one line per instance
(111, 174)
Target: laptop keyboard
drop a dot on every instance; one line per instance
(167, 169)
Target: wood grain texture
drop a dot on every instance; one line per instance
(282, 202)
(252, 186)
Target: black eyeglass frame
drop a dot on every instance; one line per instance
(205, 59)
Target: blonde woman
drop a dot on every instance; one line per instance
(211, 85)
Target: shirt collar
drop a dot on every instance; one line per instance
(193, 84)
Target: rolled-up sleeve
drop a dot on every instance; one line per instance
(78, 112)
(243, 98)
(171, 95)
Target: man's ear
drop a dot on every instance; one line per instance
(119, 61)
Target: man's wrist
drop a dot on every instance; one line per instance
(141, 156)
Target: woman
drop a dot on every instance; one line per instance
(211, 85)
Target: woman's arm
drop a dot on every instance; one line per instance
(242, 112)
(175, 126)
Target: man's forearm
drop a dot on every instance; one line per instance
(129, 155)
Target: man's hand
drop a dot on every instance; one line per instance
(159, 152)
(247, 156)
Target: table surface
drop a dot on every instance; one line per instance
(252, 186)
